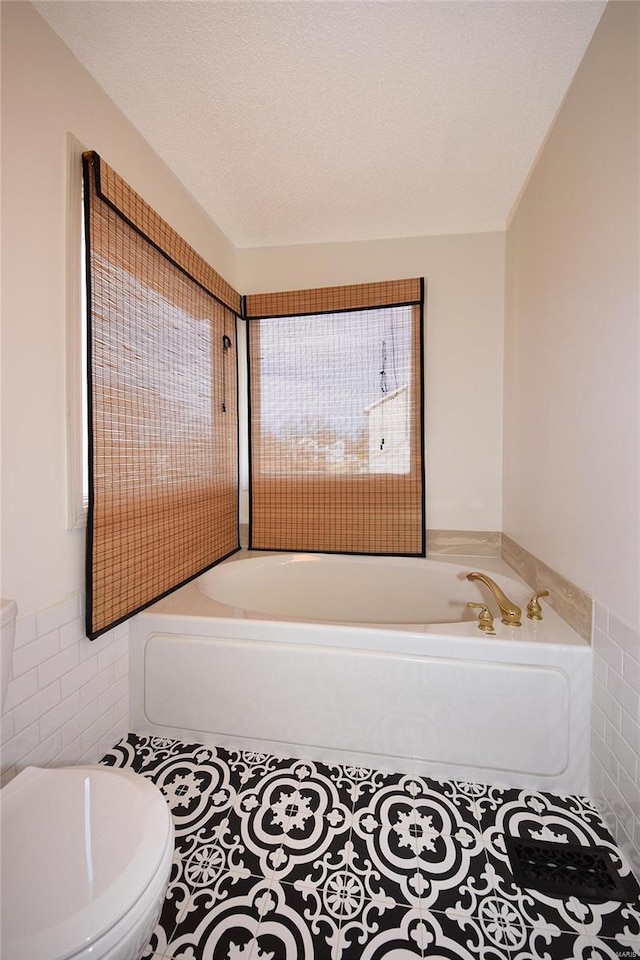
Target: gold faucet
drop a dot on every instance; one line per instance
(485, 620)
(511, 614)
(534, 610)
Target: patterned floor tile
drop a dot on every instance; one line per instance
(517, 812)
(342, 921)
(390, 860)
(249, 767)
(395, 795)
(559, 945)
(581, 809)
(426, 869)
(293, 817)
(135, 752)
(378, 931)
(283, 859)
(221, 922)
(465, 795)
(178, 894)
(503, 928)
(446, 935)
(541, 816)
(340, 874)
(419, 843)
(412, 933)
(360, 783)
(450, 871)
(199, 789)
(210, 861)
(501, 924)
(338, 782)
(612, 919)
(229, 843)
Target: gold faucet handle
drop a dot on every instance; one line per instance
(485, 619)
(534, 610)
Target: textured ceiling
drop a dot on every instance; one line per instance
(312, 120)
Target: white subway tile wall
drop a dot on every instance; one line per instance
(615, 730)
(68, 698)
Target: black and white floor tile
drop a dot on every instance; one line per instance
(287, 859)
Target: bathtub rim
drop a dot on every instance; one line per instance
(189, 601)
(368, 579)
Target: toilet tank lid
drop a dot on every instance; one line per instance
(79, 846)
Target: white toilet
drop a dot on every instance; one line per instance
(86, 859)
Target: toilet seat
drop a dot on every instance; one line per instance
(84, 851)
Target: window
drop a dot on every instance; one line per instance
(336, 420)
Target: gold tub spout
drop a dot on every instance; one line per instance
(511, 614)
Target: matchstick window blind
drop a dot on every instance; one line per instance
(336, 431)
(163, 424)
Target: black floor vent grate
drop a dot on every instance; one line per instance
(568, 870)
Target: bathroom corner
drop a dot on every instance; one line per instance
(571, 402)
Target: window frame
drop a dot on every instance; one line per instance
(76, 324)
(303, 497)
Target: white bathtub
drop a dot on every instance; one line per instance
(368, 661)
(344, 589)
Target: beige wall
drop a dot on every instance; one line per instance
(572, 435)
(464, 359)
(45, 94)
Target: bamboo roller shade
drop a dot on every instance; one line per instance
(357, 296)
(163, 450)
(115, 192)
(336, 435)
